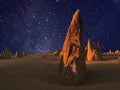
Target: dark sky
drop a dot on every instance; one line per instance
(41, 25)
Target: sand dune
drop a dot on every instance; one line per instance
(40, 73)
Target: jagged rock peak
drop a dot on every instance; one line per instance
(75, 18)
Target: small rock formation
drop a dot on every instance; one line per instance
(6, 54)
(24, 54)
(110, 52)
(72, 69)
(93, 51)
(117, 52)
(56, 53)
(113, 52)
(17, 54)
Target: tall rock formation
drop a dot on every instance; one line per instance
(93, 51)
(72, 69)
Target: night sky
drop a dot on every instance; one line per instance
(41, 25)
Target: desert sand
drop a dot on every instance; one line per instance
(34, 72)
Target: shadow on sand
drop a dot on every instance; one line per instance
(103, 74)
(96, 74)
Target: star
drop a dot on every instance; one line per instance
(34, 16)
(38, 23)
(45, 37)
(57, 0)
(93, 20)
(60, 37)
(46, 19)
(1, 20)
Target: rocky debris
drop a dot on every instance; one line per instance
(5, 54)
(93, 51)
(72, 69)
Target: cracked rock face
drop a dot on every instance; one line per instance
(93, 51)
(72, 69)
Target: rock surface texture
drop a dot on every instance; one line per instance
(72, 69)
(93, 51)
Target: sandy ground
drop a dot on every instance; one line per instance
(35, 73)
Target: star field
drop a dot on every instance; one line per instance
(41, 25)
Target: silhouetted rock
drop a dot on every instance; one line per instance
(72, 69)
(93, 51)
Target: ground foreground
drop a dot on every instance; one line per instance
(34, 72)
